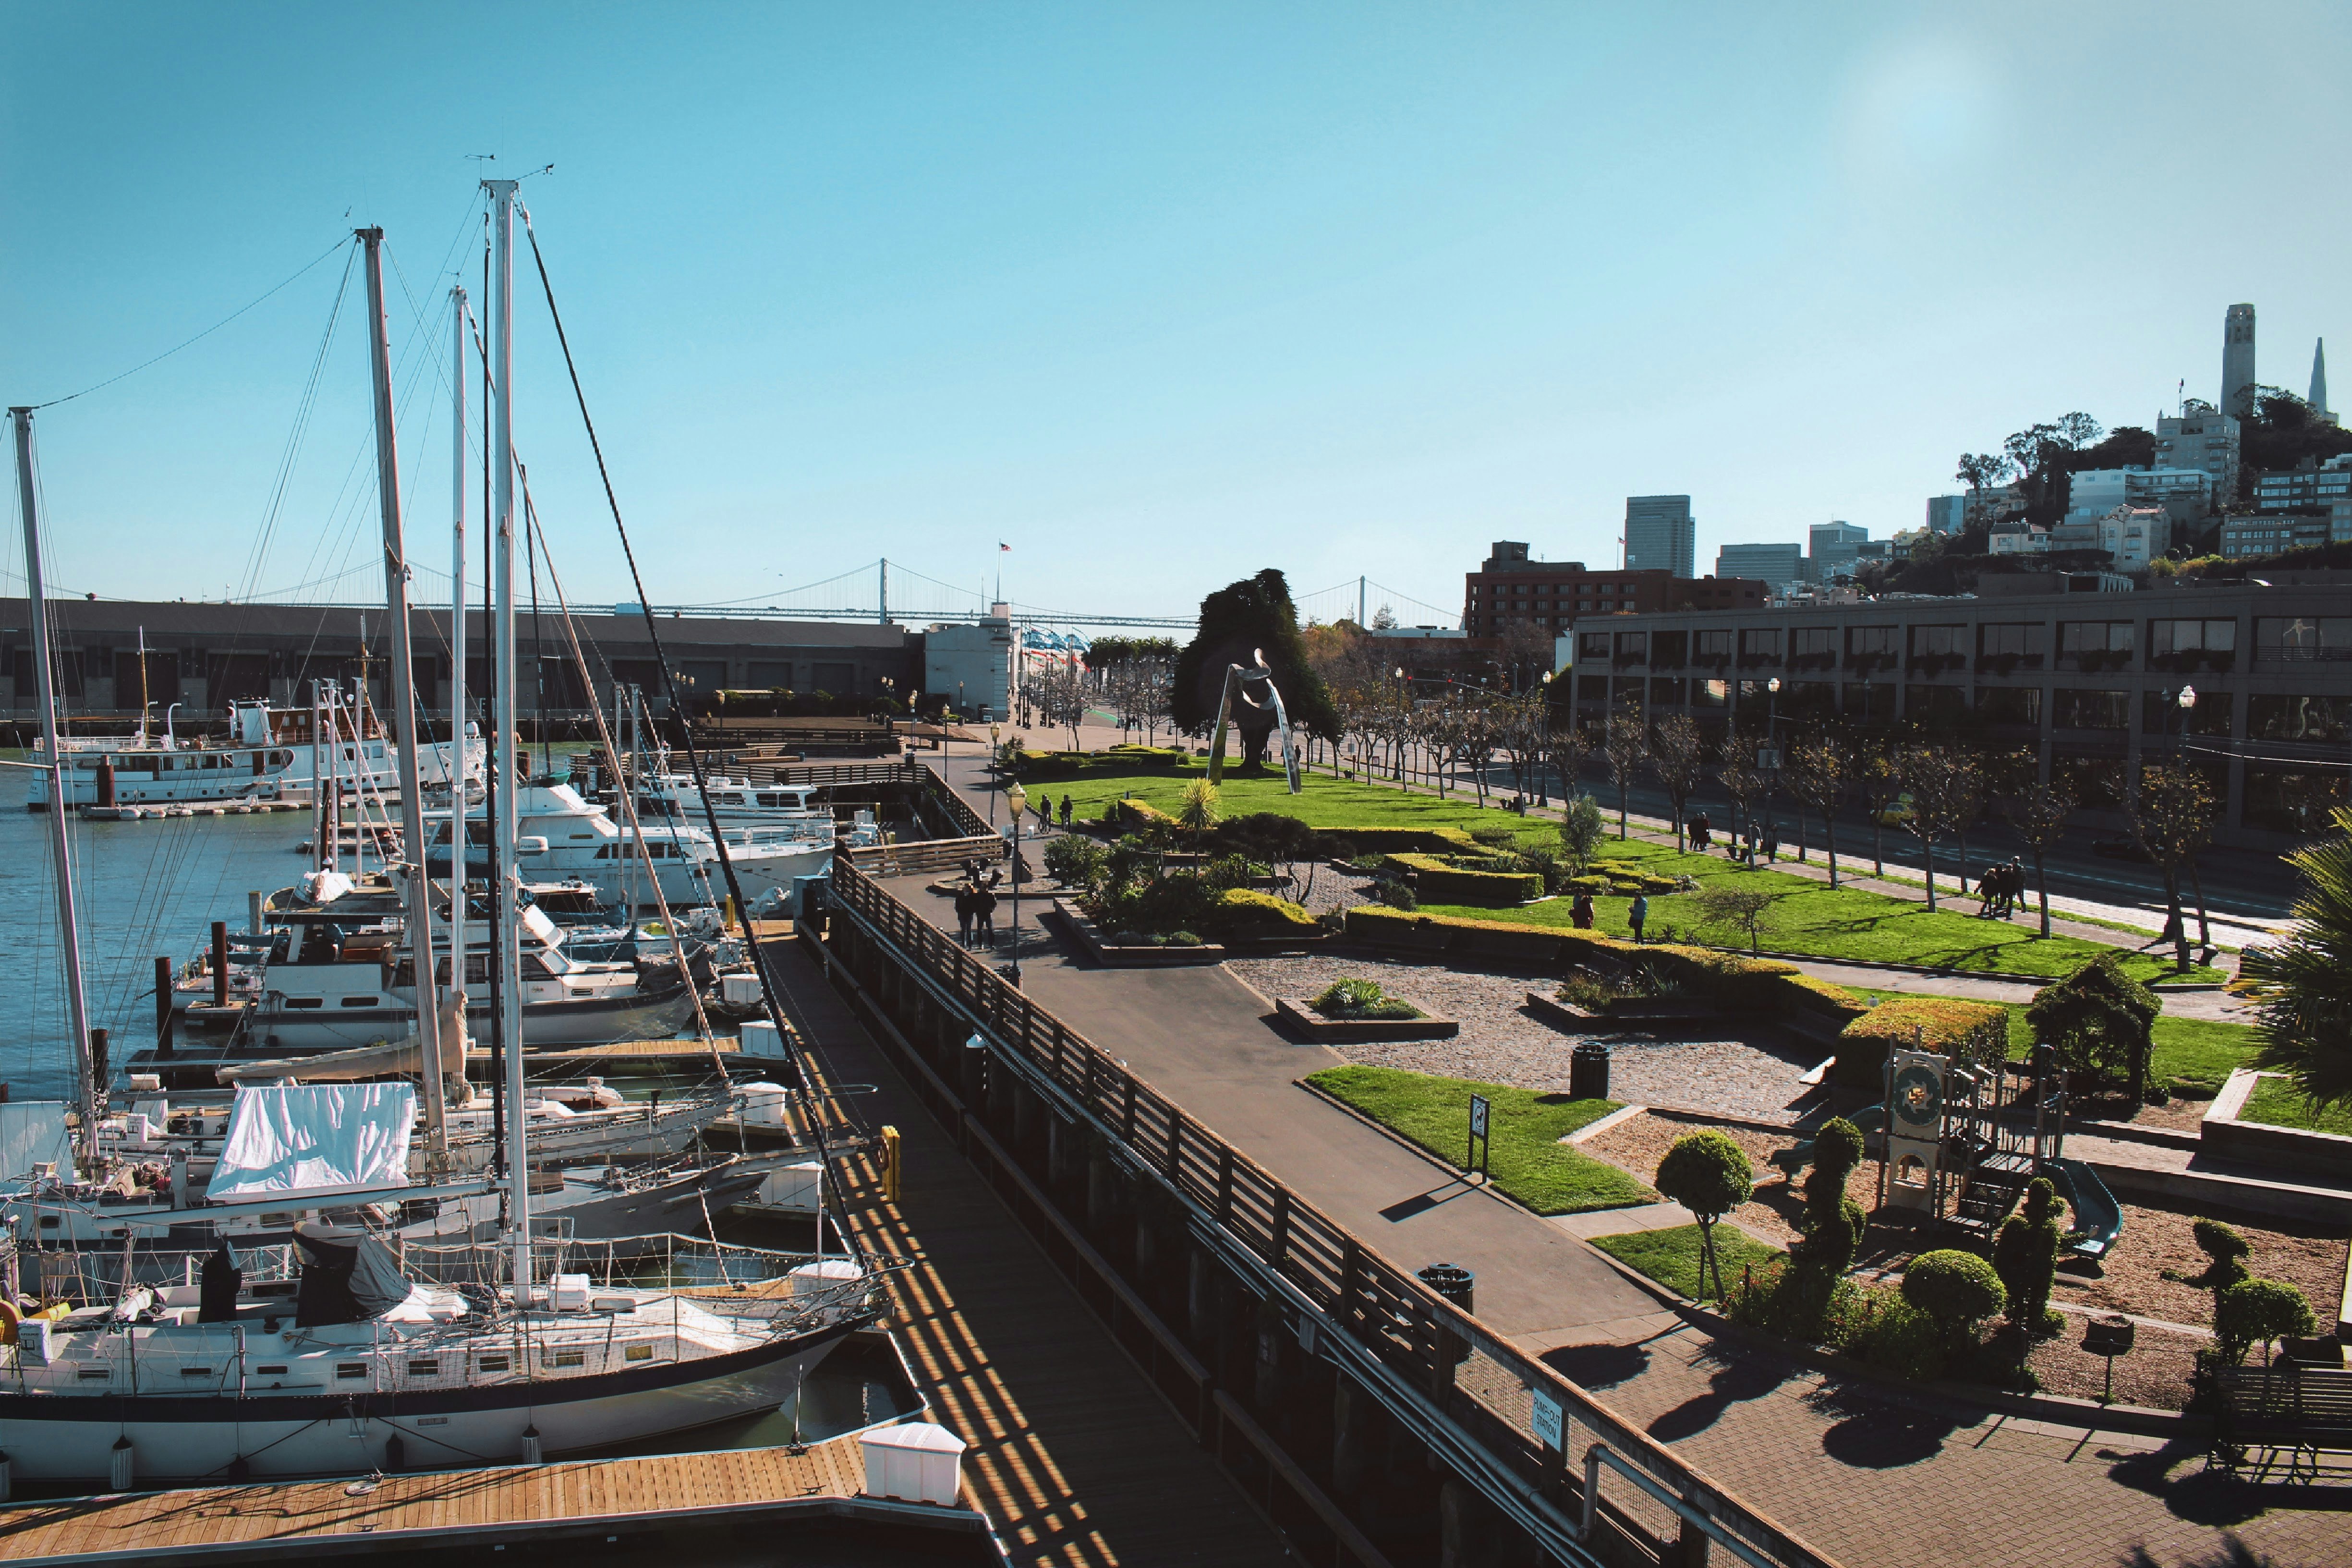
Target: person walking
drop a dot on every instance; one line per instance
(1771, 842)
(1065, 813)
(1637, 914)
(1580, 913)
(984, 909)
(1751, 845)
(1700, 831)
(964, 911)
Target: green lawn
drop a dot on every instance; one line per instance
(1808, 917)
(2276, 1102)
(1528, 1162)
(1811, 918)
(1672, 1257)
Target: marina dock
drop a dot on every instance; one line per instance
(651, 1501)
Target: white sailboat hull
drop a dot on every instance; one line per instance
(72, 1438)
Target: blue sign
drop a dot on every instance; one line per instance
(1548, 1421)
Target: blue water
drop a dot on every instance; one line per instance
(144, 888)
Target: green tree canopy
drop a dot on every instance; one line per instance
(2306, 1016)
(1239, 623)
(2099, 1019)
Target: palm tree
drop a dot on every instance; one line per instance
(1196, 813)
(2306, 1020)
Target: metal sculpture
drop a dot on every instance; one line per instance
(1239, 681)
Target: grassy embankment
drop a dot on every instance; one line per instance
(1671, 1257)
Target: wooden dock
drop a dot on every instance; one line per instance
(1074, 1454)
(509, 1505)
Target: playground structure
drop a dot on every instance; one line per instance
(1239, 680)
(1963, 1137)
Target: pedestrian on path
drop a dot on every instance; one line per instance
(1637, 914)
(1580, 913)
(1751, 845)
(983, 908)
(1771, 842)
(964, 912)
(1065, 813)
(1700, 831)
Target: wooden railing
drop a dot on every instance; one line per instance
(1406, 1326)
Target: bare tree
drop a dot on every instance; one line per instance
(1742, 781)
(2172, 817)
(1880, 781)
(2039, 815)
(1519, 723)
(1061, 695)
(1568, 745)
(1741, 905)
(1625, 745)
(1679, 758)
(1527, 650)
(1944, 786)
(1821, 774)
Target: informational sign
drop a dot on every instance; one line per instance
(1478, 1108)
(1768, 758)
(1474, 1158)
(1546, 1422)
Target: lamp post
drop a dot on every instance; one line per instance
(2183, 702)
(1014, 799)
(1543, 796)
(995, 733)
(1772, 746)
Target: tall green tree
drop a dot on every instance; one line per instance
(1240, 623)
(2306, 1012)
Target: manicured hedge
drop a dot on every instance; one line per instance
(1251, 913)
(1132, 812)
(1762, 985)
(1407, 840)
(1033, 765)
(1942, 1024)
(1440, 883)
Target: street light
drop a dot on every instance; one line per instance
(1772, 746)
(1014, 799)
(996, 735)
(2185, 701)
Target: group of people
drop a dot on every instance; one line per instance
(975, 906)
(1637, 913)
(2000, 887)
(1762, 841)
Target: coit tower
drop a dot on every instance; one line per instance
(2238, 360)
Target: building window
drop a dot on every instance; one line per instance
(2292, 800)
(1760, 645)
(1866, 702)
(1710, 694)
(1633, 648)
(2096, 645)
(1935, 704)
(2007, 646)
(2162, 714)
(2295, 638)
(1669, 650)
(1592, 647)
(2319, 721)
(1592, 688)
(2009, 705)
(1665, 691)
(1812, 647)
(1712, 648)
(2073, 708)
(2192, 645)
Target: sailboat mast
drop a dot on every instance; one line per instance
(504, 880)
(86, 1087)
(405, 715)
(455, 771)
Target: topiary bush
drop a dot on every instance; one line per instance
(1709, 1174)
(2025, 1256)
(2226, 1248)
(1833, 1222)
(2258, 1312)
(2101, 1020)
(1894, 1336)
(1957, 1289)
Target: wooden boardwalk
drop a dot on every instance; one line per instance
(303, 1520)
(1075, 1457)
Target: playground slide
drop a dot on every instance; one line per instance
(2098, 1220)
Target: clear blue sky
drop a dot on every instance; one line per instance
(1159, 295)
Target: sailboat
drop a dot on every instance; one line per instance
(334, 1351)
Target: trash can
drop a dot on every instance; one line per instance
(1450, 1280)
(1588, 1071)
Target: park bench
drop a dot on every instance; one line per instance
(2306, 1411)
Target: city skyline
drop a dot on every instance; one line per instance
(930, 289)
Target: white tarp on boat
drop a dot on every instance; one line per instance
(32, 1133)
(318, 1139)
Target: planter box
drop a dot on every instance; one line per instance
(1303, 1021)
(2296, 1149)
(1651, 1009)
(1114, 955)
(1560, 1015)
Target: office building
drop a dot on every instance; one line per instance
(2270, 532)
(2018, 538)
(2237, 362)
(1947, 514)
(2303, 489)
(1773, 563)
(1836, 546)
(2185, 494)
(1510, 587)
(2054, 664)
(1659, 535)
(2208, 442)
(2133, 535)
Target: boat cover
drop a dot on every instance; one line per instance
(315, 1140)
(31, 1134)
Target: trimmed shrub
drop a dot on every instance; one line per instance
(2226, 1248)
(1709, 1174)
(1133, 813)
(1408, 840)
(1959, 1290)
(1495, 835)
(1439, 882)
(1977, 1030)
(1899, 1338)
(2025, 1256)
(1247, 912)
(2255, 1313)
(1833, 1222)
(1359, 998)
(2101, 1020)
(1076, 862)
